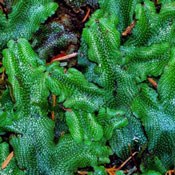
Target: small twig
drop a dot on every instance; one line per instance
(59, 55)
(170, 172)
(53, 105)
(2, 78)
(153, 82)
(129, 29)
(87, 15)
(156, 2)
(82, 172)
(112, 171)
(7, 160)
(133, 159)
(67, 109)
(62, 133)
(4, 9)
(126, 161)
(65, 57)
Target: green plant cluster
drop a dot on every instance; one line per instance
(109, 105)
